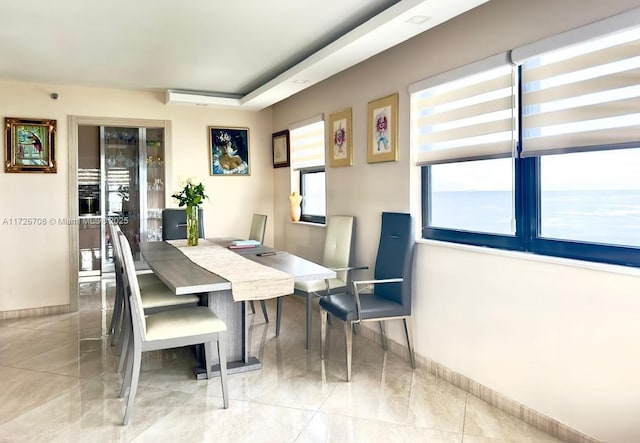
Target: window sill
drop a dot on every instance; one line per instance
(318, 225)
(617, 269)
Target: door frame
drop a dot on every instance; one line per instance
(74, 121)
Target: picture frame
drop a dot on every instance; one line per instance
(382, 136)
(340, 139)
(30, 145)
(229, 151)
(281, 149)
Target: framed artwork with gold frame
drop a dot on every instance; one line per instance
(30, 145)
(382, 136)
(340, 139)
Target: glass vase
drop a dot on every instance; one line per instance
(192, 225)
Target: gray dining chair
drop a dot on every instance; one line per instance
(146, 282)
(256, 232)
(165, 330)
(174, 224)
(390, 296)
(336, 256)
(155, 296)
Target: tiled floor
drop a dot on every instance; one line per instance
(58, 384)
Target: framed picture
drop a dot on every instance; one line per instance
(382, 139)
(229, 151)
(340, 140)
(281, 150)
(30, 145)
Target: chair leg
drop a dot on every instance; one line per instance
(135, 374)
(383, 335)
(126, 379)
(115, 317)
(207, 358)
(278, 314)
(263, 305)
(323, 331)
(222, 358)
(252, 306)
(124, 343)
(408, 330)
(309, 311)
(348, 339)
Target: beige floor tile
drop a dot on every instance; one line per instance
(202, 419)
(61, 360)
(328, 428)
(92, 413)
(64, 323)
(22, 390)
(484, 420)
(19, 344)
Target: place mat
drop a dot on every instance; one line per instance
(249, 280)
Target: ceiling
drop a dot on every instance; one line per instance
(248, 54)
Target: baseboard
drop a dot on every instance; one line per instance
(35, 312)
(512, 407)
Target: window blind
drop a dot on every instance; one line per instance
(307, 143)
(581, 94)
(468, 113)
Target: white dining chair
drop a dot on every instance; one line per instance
(165, 330)
(155, 296)
(144, 280)
(256, 232)
(336, 256)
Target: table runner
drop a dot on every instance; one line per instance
(249, 280)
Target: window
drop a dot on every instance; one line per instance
(307, 168)
(312, 188)
(597, 203)
(464, 128)
(571, 186)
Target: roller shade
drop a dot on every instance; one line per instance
(582, 95)
(468, 113)
(307, 143)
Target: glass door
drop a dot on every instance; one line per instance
(154, 169)
(120, 177)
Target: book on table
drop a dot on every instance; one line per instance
(239, 244)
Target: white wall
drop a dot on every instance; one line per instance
(557, 337)
(34, 263)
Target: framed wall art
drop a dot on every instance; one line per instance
(340, 139)
(229, 151)
(382, 138)
(30, 145)
(281, 149)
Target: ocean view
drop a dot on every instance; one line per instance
(609, 217)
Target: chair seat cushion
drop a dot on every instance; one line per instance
(160, 296)
(318, 286)
(343, 306)
(183, 322)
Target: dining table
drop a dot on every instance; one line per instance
(183, 276)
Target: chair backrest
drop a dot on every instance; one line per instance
(132, 289)
(337, 244)
(114, 231)
(258, 226)
(395, 257)
(174, 224)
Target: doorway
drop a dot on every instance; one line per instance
(97, 218)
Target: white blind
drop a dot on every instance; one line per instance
(582, 93)
(469, 117)
(307, 144)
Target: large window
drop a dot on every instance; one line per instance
(307, 168)
(570, 186)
